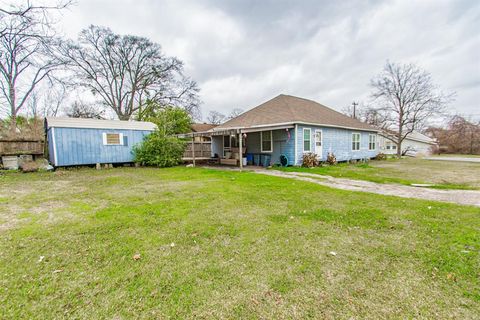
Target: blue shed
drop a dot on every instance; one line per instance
(76, 141)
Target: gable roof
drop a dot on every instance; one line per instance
(53, 122)
(202, 127)
(286, 109)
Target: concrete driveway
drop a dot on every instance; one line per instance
(460, 159)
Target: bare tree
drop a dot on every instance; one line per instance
(125, 71)
(215, 117)
(26, 60)
(235, 113)
(406, 98)
(80, 109)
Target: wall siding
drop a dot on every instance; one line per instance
(80, 146)
(338, 141)
(281, 145)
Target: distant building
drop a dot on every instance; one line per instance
(415, 144)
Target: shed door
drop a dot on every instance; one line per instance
(318, 143)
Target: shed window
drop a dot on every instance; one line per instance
(355, 141)
(112, 139)
(307, 133)
(372, 142)
(267, 141)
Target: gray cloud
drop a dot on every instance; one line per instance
(244, 52)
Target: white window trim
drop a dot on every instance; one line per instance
(370, 141)
(303, 140)
(271, 142)
(104, 138)
(359, 141)
(321, 142)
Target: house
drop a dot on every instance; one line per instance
(415, 143)
(202, 127)
(287, 127)
(76, 141)
(200, 145)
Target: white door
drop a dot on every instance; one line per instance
(318, 143)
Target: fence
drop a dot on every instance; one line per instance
(202, 150)
(18, 147)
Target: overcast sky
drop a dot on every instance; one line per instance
(243, 53)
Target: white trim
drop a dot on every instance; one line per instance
(271, 142)
(120, 138)
(267, 128)
(296, 147)
(359, 141)
(296, 122)
(303, 140)
(315, 142)
(54, 148)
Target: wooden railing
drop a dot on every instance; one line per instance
(17, 147)
(202, 150)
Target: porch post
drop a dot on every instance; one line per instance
(240, 148)
(193, 149)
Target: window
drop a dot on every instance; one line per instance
(389, 145)
(355, 141)
(267, 141)
(306, 139)
(372, 142)
(112, 139)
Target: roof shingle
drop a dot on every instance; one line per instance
(285, 109)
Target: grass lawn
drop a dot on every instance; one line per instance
(445, 175)
(217, 244)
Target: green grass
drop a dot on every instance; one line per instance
(460, 176)
(244, 246)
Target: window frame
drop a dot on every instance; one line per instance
(271, 141)
(309, 140)
(354, 142)
(370, 142)
(105, 140)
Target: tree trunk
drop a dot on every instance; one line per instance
(13, 111)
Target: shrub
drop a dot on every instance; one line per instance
(331, 159)
(159, 150)
(309, 160)
(381, 156)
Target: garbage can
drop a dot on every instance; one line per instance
(266, 160)
(249, 158)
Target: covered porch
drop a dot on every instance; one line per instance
(254, 146)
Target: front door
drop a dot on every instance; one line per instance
(318, 143)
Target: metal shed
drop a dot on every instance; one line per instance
(76, 141)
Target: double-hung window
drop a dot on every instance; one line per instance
(355, 141)
(267, 141)
(372, 142)
(307, 137)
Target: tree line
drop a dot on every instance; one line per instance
(125, 74)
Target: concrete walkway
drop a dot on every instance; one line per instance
(464, 197)
(459, 159)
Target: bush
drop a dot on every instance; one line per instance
(159, 150)
(309, 160)
(331, 159)
(381, 156)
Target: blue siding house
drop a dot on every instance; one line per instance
(76, 141)
(289, 126)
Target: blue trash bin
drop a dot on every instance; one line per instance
(266, 160)
(249, 158)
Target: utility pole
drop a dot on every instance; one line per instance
(354, 104)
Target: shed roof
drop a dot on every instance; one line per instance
(414, 135)
(286, 109)
(53, 122)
